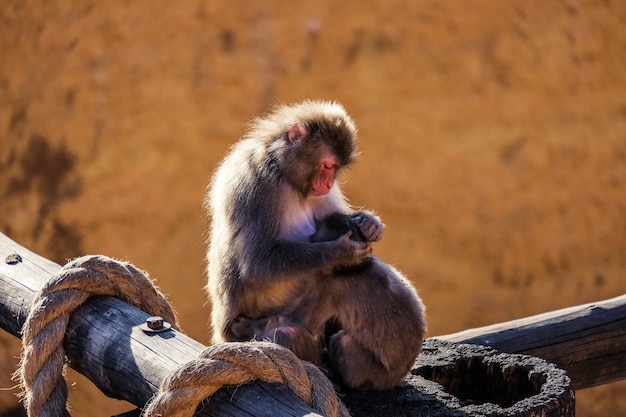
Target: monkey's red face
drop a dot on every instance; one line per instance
(325, 177)
(313, 163)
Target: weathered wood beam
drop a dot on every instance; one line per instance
(588, 341)
(104, 343)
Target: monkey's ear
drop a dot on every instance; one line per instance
(296, 133)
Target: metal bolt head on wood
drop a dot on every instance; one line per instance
(155, 324)
(13, 259)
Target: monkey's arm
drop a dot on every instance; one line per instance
(270, 246)
(285, 260)
(369, 224)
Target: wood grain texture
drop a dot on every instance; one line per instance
(104, 343)
(588, 341)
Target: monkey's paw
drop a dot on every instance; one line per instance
(369, 225)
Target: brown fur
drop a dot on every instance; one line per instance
(269, 280)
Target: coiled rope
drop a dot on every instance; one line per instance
(238, 363)
(44, 391)
(41, 369)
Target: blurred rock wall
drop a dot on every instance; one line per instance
(493, 140)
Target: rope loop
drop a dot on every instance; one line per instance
(43, 361)
(41, 369)
(234, 363)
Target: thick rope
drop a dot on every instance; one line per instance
(41, 369)
(238, 363)
(43, 357)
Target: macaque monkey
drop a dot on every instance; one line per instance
(265, 202)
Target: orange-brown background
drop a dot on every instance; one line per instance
(493, 140)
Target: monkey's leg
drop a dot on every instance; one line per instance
(296, 338)
(358, 367)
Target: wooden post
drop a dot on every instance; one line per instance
(588, 341)
(104, 343)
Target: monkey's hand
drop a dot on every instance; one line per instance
(369, 225)
(348, 252)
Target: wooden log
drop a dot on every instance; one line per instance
(588, 341)
(104, 343)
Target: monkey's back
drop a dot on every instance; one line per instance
(232, 199)
(382, 311)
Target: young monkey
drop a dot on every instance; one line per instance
(372, 317)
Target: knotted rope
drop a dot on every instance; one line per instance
(43, 357)
(238, 363)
